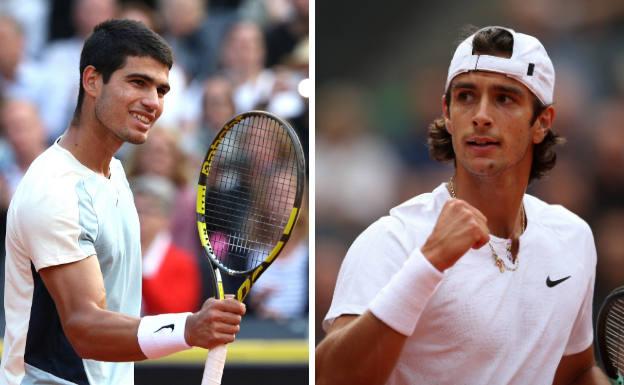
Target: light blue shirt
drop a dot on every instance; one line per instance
(63, 212)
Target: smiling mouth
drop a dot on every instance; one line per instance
(141, 118)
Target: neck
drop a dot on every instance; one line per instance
(498, 198)
(91, 144)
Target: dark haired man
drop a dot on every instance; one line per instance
(475, 282)
(73, 273)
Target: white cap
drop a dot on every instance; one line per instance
(529, 64)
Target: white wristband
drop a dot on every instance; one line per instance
(401, 302)
(163, 334)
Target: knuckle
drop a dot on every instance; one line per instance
(212, 316)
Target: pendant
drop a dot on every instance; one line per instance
(499, 263)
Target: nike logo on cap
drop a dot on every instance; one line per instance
(554, 283)
(170, 326)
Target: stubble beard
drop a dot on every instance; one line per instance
(124, 134)
(489, 168)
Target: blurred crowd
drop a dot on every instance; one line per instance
(230, 56)
(371, 130)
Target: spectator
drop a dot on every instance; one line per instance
(194, 35)
(139, 11)
(217, 107)
(351, 160)
(283, 37)
(32, 16)
(282, 292)
(19, 77)
(161, 156)
(171, 280)
(24, 140)
(254, 85)
(62, 58)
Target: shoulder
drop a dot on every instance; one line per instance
(406, 227)
(556, 225)
(555, 218)
(47, 172)
(49, 185)
(421, 211)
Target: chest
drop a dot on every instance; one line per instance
(477, 305)
(115, 221)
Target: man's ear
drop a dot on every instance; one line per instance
(446, 115)
(91, 81)
(543, 124)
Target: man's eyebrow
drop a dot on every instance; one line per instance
(149, 79)
(498, 87)
(464, 85)
(509, 89)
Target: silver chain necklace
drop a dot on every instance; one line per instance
(498, 261)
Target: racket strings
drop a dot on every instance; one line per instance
(251, 190)
(271, 217)
(614, 334)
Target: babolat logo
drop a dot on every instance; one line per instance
(243, 290)
(206, 165)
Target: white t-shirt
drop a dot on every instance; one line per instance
(479, 326)
(63, 212)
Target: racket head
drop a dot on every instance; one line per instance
(249, 194)
(610, 335)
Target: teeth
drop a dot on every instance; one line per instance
(482, 141)
(141, 118)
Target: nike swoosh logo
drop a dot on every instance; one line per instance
(554, 283)
(170, 326)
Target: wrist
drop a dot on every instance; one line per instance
(434, 258)
(188, 325)
(163, 334)
(401, 302)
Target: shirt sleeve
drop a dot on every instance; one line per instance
(372, 260)
(59, 226)
(582, 333)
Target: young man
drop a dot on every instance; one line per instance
(476, 282)
(73, 273)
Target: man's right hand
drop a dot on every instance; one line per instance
(460, 227)
(216, 323)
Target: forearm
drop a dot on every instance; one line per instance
(104, 336)
(365, 351)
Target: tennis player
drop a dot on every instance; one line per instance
(476, 282)
(73, 263)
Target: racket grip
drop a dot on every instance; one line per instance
(213, 370)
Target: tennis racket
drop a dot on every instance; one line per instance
(249, 194)
(610, 335)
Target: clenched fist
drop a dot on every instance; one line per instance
(460, 227)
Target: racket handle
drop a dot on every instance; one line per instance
(213, 371)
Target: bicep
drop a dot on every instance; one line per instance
(76, 288)
(358, 349)
(341, 322)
